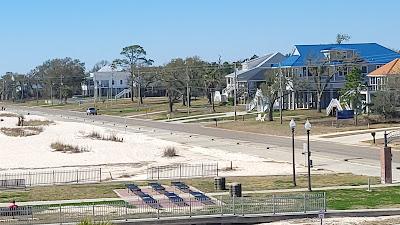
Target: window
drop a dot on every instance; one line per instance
(120, 82)
(364, 69)
(112, 82)
(378, 66)
(372, 80)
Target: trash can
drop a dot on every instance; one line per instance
(219, 183)
(236, 190)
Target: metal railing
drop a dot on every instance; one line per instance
(178, 171)
(50, 177)
(119, 210)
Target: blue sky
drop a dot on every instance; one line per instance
(92, 30)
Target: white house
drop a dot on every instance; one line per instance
(108, 82)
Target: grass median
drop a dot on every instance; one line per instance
(105, 190)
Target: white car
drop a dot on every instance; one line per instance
(91, 111)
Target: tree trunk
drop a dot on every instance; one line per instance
(184, 99)
(271, 112)
(132, 90)
(170, 103)
(212, 100)
(319, 96)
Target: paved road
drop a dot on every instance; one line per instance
(326, 148)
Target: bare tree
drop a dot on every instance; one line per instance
(271, 88)
(340, 38)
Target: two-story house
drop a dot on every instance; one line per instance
(338, 60)
(251, 75)
(379, 77)
(108, 82)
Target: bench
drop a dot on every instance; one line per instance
(13, 183)
(19, 211)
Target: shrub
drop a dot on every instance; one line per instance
(67, 148)
(21, 132)
(111, 137)
(90, 222)
(95, 135)
(37, 122)
(170, 151)
(8, 115)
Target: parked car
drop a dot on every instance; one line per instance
(91, 111)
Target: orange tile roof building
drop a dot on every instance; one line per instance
(377, 78)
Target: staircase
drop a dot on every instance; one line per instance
(123, 93)
(228, 90)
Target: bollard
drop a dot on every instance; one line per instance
(369, 184)
(373, 136)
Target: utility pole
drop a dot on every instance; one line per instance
(280, 93)
(22, 87)
(112, 85)
(234, 91)
(138, 84)
(187, 91)
(4, 89)
(37, 91)
(51, 93)
(61, 84)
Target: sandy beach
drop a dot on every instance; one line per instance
(129, 158)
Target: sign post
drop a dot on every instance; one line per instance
(321, 215)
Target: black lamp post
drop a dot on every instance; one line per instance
(292, 126)
(307, 126)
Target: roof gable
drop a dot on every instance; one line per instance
(391, 68)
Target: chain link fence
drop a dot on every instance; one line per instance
(179, 171)
(120, 210)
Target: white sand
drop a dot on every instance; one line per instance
(131, 157)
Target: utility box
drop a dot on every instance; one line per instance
(386, 165)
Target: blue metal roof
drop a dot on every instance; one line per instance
(290, 60)
(371, 53)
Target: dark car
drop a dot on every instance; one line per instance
(91, 111)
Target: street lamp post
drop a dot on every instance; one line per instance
(292, 126)
(307, 126)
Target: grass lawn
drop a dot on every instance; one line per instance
(105, 190)
(321, 124)
(156, 107)
(62, 192)
(384, 197)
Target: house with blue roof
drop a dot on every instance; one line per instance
(338, 59)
